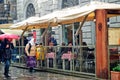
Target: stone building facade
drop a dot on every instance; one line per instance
(28, 8)
(7, 11)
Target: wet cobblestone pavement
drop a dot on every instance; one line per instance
(23, 74)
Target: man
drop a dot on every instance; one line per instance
(31, 54)
(52, 39)
(6, 56)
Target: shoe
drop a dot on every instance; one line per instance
(7, 76)
(31, 70)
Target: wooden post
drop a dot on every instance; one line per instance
(101, 44)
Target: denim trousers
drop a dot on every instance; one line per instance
(6, 67)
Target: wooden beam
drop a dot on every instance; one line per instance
(44, 34)
(101, 44)
(113, 12)
(80, 26)
(24, 30)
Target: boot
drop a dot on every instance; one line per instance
(6, 72)
(30, 69)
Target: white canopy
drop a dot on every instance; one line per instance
(5, 26)
(25, 22)
(17, 32)
(5, 29)
(67, 16)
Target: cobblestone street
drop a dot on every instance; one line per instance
(23, 74)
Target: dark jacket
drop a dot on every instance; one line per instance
(7, 54)
(6, 50)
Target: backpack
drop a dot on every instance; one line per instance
(29, 48)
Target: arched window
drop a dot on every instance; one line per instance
(69, 3)
(30, 10)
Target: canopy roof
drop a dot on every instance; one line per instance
(5, 26)
(67, 16)
(17, 32)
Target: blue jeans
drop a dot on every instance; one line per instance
(6, 68)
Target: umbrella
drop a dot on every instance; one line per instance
(9, 36)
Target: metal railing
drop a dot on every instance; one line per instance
(77, 61)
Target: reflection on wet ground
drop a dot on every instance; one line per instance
(23, 74)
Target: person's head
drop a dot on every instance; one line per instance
(63, 44)
(51, 44)
(40, 43)
(70, 44)
(32, 41)
(84, 43)
(6, 40)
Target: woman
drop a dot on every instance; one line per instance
(31, 54)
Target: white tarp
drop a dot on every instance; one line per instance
(67, 16)
(17, 32)
(25, 22)
(5, 26)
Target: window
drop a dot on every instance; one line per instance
(30, 10)
(69, 3)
